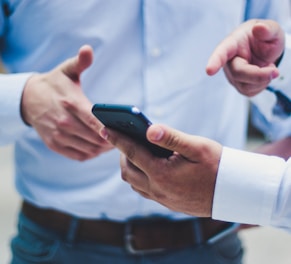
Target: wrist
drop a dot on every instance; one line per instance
(25, 99)
(277, 62)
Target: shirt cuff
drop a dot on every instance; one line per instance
(246, 187)
(11, 121)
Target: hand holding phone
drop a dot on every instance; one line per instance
(128, 119)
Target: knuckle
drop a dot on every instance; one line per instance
(82, 157)
(158, 195)
(124, 175)
(57, 136)
(205, 150)
(130, 153)
(172, 141)
(244, 89)
(69, 104)
(57, 139)
(248, 90)
(93, 122)
(63, 121)
(51, 143)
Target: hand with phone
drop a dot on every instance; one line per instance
(184, 182)
(128, 119)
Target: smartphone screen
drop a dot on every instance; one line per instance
(128, 119)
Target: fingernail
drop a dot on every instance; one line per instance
(274, 75)
(157, 136)
(103, 133)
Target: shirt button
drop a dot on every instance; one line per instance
(155, 52)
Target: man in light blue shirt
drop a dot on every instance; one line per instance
(147, 53)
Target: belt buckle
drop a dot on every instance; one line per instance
(229, 230)
(129, 240)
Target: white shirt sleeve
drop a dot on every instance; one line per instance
(11, 123)
(281, 216)
(247, 187)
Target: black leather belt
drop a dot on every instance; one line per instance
(137, 236)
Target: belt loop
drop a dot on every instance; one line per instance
(196, 231)
(72, 231)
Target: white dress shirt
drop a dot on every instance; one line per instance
(148, 53)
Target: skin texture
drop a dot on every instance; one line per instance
(185, 182)
(248, 56)
(55, 105)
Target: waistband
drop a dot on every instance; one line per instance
(137, 236)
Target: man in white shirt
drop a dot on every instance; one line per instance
(203, 177)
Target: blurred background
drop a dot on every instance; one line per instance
(262, 244)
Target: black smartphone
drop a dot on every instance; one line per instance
(128, 119)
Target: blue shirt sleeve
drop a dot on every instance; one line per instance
(11, 87)
(271, 9)
(2, 19)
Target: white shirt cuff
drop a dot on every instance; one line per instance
(246, 187)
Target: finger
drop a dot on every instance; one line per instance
(271, 40)
(132, 174)
(142, 193)
(249, 79)
(81, 122)
(135, 152)
(78, 143)
(74, 146)
(73, 67)
(225, 51)
(124, 161)
(265, 36)
(249, 90)
(69, 152)
(266, 30)
(243, 71)
(188, 146)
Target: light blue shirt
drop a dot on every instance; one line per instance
(148, 53)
